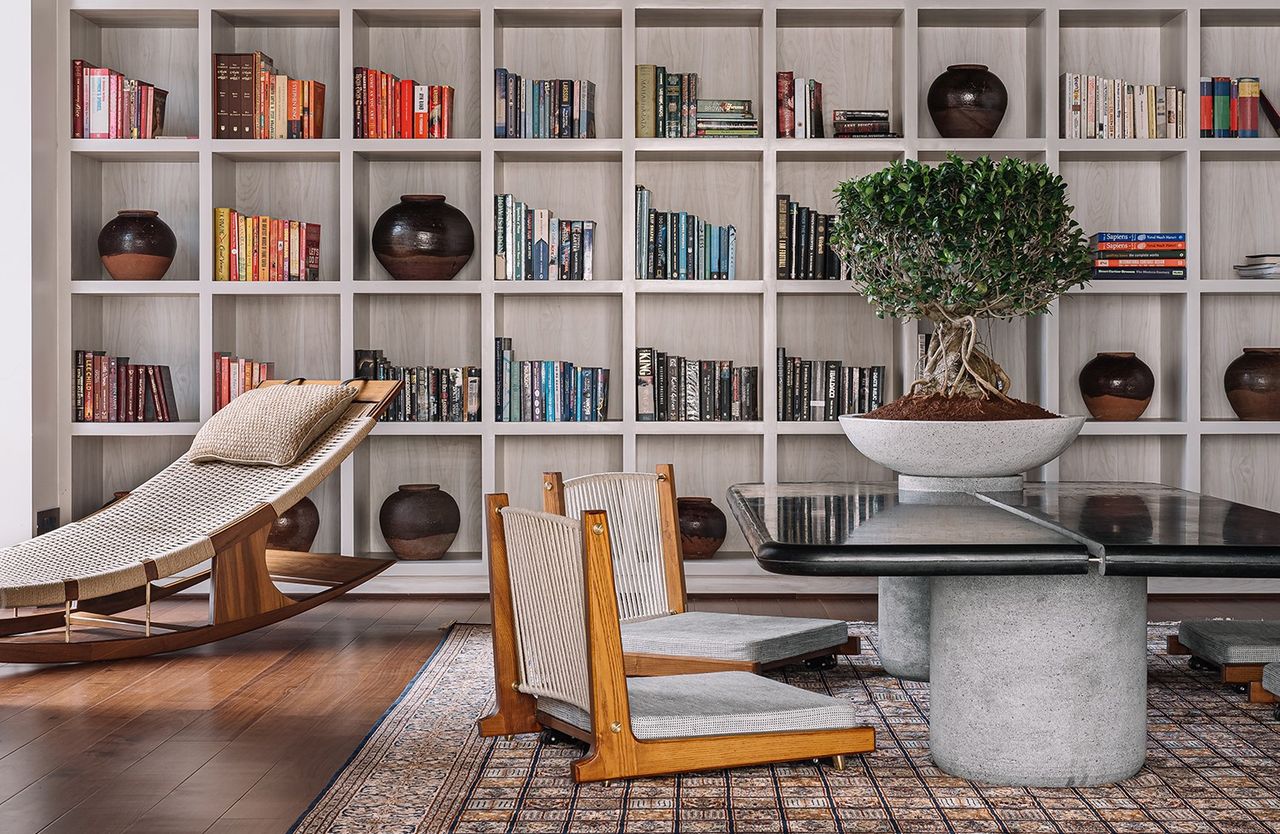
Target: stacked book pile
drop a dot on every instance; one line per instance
(255, 247)
(1112, 108)
(544, 391)
(254, 101)
(804, 242)
(816, 390)
(672, 388)
(1230, 107)
(525, 108)
(233, 375)
(111, 389)
(534, 245)
(726, 117)
(799, 107)
(681, 246)
(428, 395)
(862, 124)
(106, 105)
(387, 107)
(1260, 266)
(1141, 255)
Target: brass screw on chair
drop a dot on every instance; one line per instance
(547, 486)
(662, 476)
(615, 727)
(597, 528)
(837, 762)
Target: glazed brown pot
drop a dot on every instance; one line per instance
(967, 102)
(1116, 386)
(296, 529)
(423, 238)
(702, 527)
(136, 245)
(1252, 382)
(419, 521)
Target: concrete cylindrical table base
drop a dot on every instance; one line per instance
(1039, 680)
(903, 626)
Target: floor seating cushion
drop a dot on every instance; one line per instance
(1271, 678)
(715, 704)
(1228, 642)
(752, 638)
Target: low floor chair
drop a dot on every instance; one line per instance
(659, 635)
(1238, 650)
(558, 664)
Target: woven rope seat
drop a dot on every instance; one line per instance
(1271, 678)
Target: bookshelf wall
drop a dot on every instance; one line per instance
(867, 54)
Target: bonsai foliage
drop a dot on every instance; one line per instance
(956, 243)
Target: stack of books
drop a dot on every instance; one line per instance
(804, 243)
(1139, 255)
(111, 389)
(862, 124)
(1260, 266)
(726, 117)
(525, 108)
(672, 388)
(255, 247)
(1112, 108)
(1230, 107)
(106, 105)
(428, 395)
(232, 376)
(253, 101)
(799, 107)
(387, 107)
(818, 390)
(534, 245)
(544, 391)
(681, 246)
(665, 103)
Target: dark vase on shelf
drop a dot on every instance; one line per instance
(702, 527)
(1116, 386)
(296, 529)
(967, 102)
(423, 238)
(419, 521)
(136, 245)
(1252, 382)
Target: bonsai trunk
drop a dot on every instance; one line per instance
(956, 364)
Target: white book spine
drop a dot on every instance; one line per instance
(588, 244)
(802, 109)
(97, 103)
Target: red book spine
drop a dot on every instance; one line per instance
(1146, 245)
(371, 104)
(1235, 107)
(224, 391)
(78, 84)
(786, 105)
(311, 246)
(446, 112)
(433, 113)
(1135, 263)
(406, 107)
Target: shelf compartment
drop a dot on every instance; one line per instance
(103, 466)
(298, 333)
(844, 329)
(1116, 194)
(522, 460)
(1239, 203)
(1230, 323)
(428, 330)
(1149, 459)
(703, 327)
(1242, 468)
(1241, 41)
(706, 466)
(828, 456)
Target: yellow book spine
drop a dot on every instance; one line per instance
(264, 248)
(246, 247)
(221, 244)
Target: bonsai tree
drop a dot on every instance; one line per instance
(957, 243)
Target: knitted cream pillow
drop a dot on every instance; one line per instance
(271, 426)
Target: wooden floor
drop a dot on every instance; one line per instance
(239, 737)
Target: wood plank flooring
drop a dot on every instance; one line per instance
(240, 736)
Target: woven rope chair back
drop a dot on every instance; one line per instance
(544, 556)
(635, 536)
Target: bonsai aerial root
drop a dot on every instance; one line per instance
(957, 365)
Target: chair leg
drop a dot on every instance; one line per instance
(1258, 695)
(837, 763)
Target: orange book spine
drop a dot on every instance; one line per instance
(446, 112)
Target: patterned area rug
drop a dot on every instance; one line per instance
(1213, 766)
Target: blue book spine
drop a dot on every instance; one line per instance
(713, 248)
(500, 103)
(1139, 237)
(1206, 92)
(682, 235)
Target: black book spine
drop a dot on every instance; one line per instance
(660, 386)
(499, 395)
(784, 250)
(782, 384)
(806, 391)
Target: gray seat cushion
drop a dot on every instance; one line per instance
(1271, 678)
(716, 704)
(1232, 641)
(746, 637)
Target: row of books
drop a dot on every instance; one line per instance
(111, 389)
(672, 388)
(544, 391)
(799, 107)
(254, 101)
(1266, 265)
(526, 108)
(428, 394)
(1112, 108)
(255, 247)
(681, 246)
(233, 375)
(668, 106)
(388, 107)
(107, 105)
(1230, 107)
(534, 245)
(1139, 255)
(816, 390)
(804, 243)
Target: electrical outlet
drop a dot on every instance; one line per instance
(47, 520)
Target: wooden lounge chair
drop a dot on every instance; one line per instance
(90, 572)
(659, 635)
(557, 650)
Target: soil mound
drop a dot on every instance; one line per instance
(939, 407)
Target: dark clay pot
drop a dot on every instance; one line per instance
(419, 521)
(1116, 519)
(702, 527)
(967, 102)
(296, 529)
(423, 238)
(1116, 386)
(1252, 381)
(136, 246)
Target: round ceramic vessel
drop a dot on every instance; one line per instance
(961, 448)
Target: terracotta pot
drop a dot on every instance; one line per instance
(702, 527)
(419, 521)
(967, 102)
(1252, 381)
(423, 238)
(1116, 386)
(296, 529)
(137, 246)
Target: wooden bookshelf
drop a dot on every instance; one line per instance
(867, 54)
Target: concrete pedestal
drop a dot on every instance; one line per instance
(1038, 680)
(903, 626)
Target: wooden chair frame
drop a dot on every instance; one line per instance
(1244, 675)
(614, 751)
(243, 594)
(642, 664)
